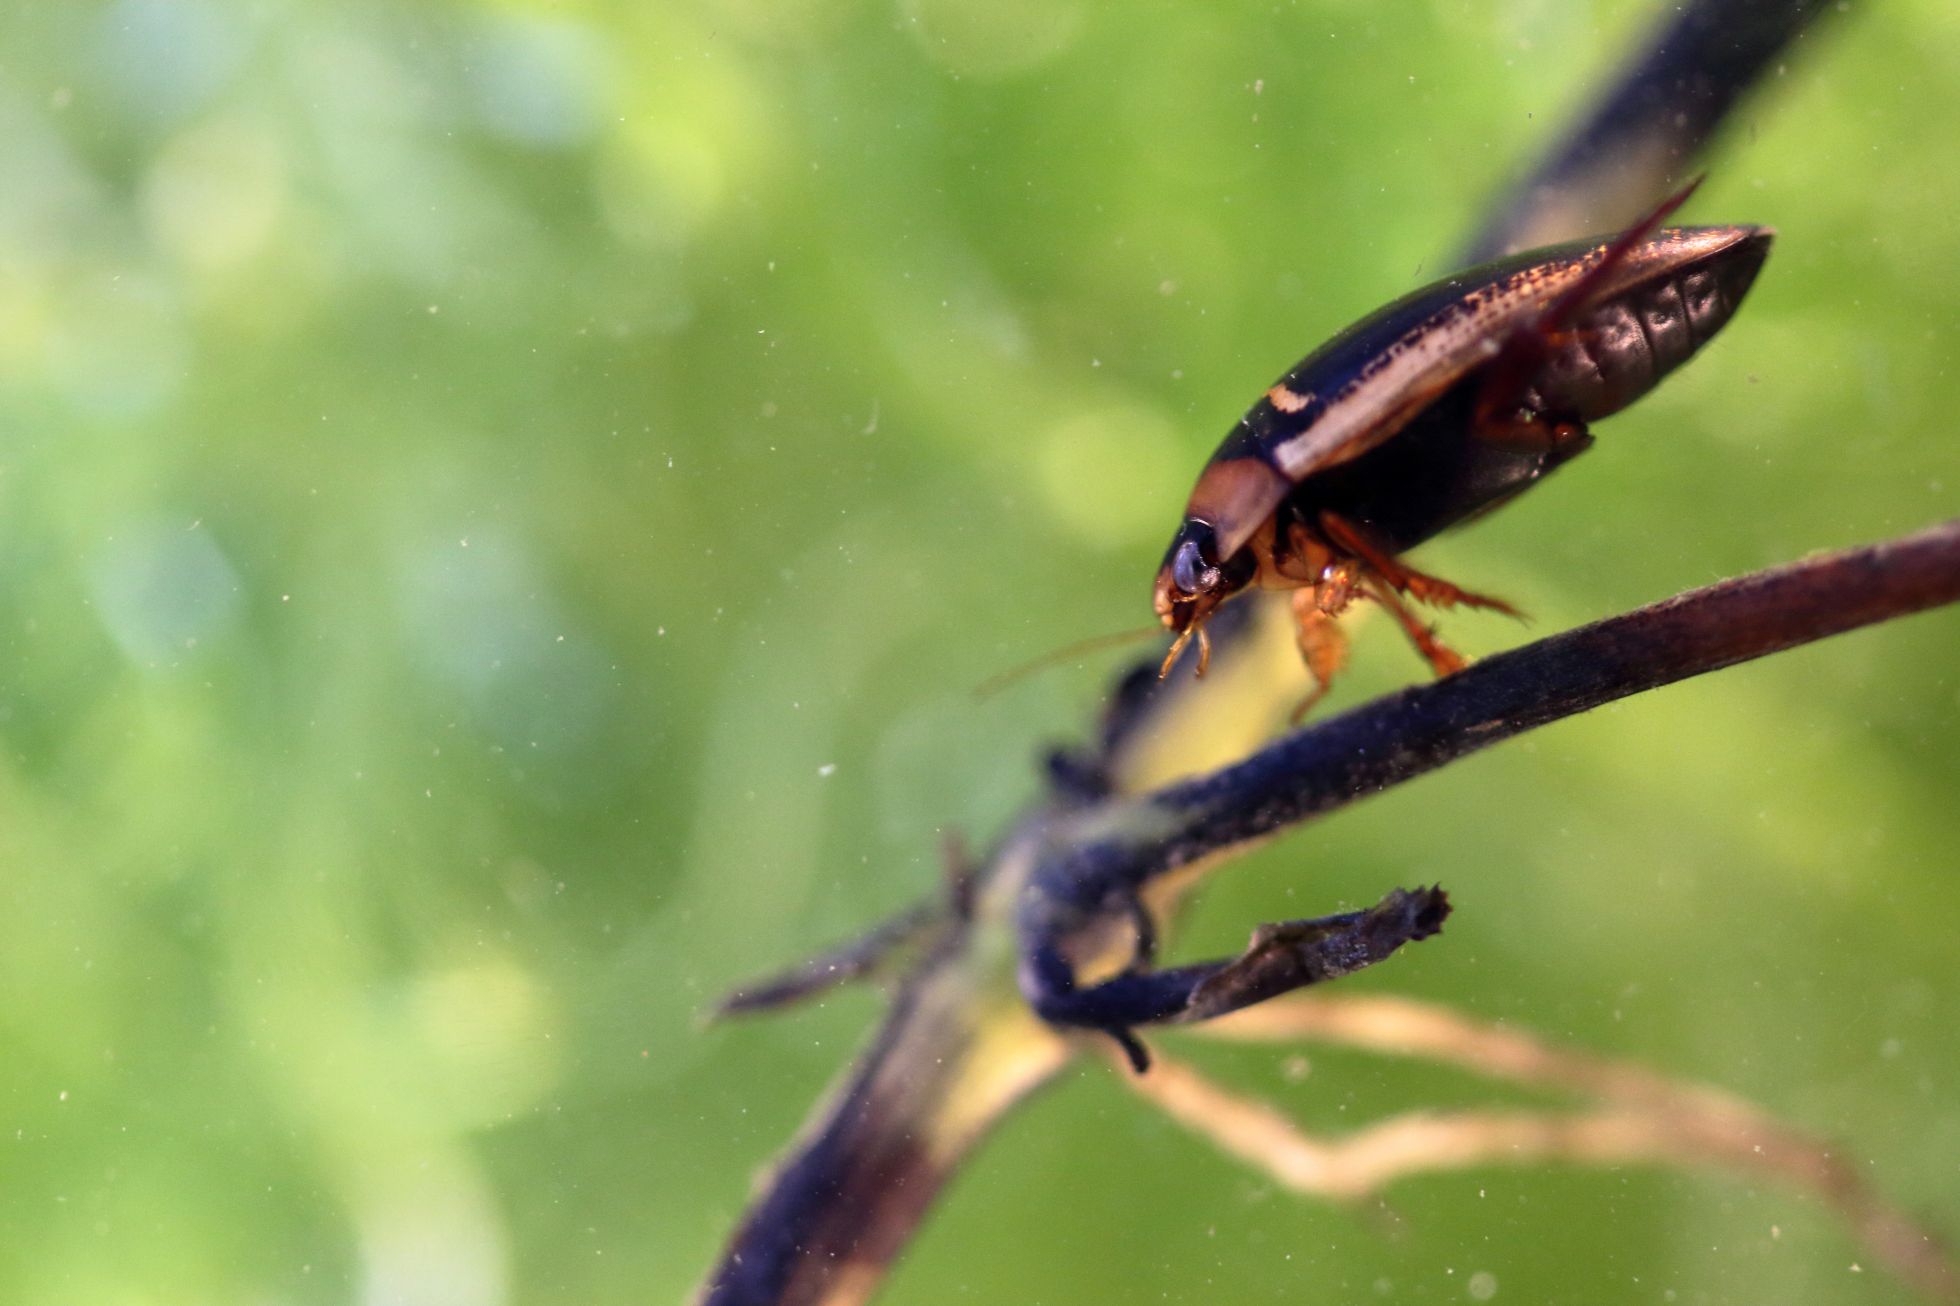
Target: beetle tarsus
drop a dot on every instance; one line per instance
(1439, 593)
(1531, 344)
(1560, 313)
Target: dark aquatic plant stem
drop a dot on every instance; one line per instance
(1401, 736)
(1280, 958)
(845, 1198)
(1650, 125)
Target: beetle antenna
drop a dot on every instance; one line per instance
(994, 684)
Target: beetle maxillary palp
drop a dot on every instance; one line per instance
(1189, 587)
(1177, 647)
(1196, 628)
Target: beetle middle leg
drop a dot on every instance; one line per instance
(1323, 646)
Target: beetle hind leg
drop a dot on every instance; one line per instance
(1529, 433)
(1558, 332)
(1534, 362)
(1402, 579)
(1442, 659)
(1439, 593)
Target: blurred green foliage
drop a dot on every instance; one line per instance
(502, 505)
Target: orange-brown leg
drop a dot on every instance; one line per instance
(1442, 659)
(1420, 586)
(1499, 416)
(1524, 432)
(1323, 647)
(1530, 346)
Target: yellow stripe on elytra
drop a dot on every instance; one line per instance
(1434, 354)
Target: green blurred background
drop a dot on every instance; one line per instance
(502, 506)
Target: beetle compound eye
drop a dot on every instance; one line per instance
(1191, 573)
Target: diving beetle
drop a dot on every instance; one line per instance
(1431, 411)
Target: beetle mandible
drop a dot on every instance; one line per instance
(1431, 411)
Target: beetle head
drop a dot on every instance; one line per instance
(1194, 580)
